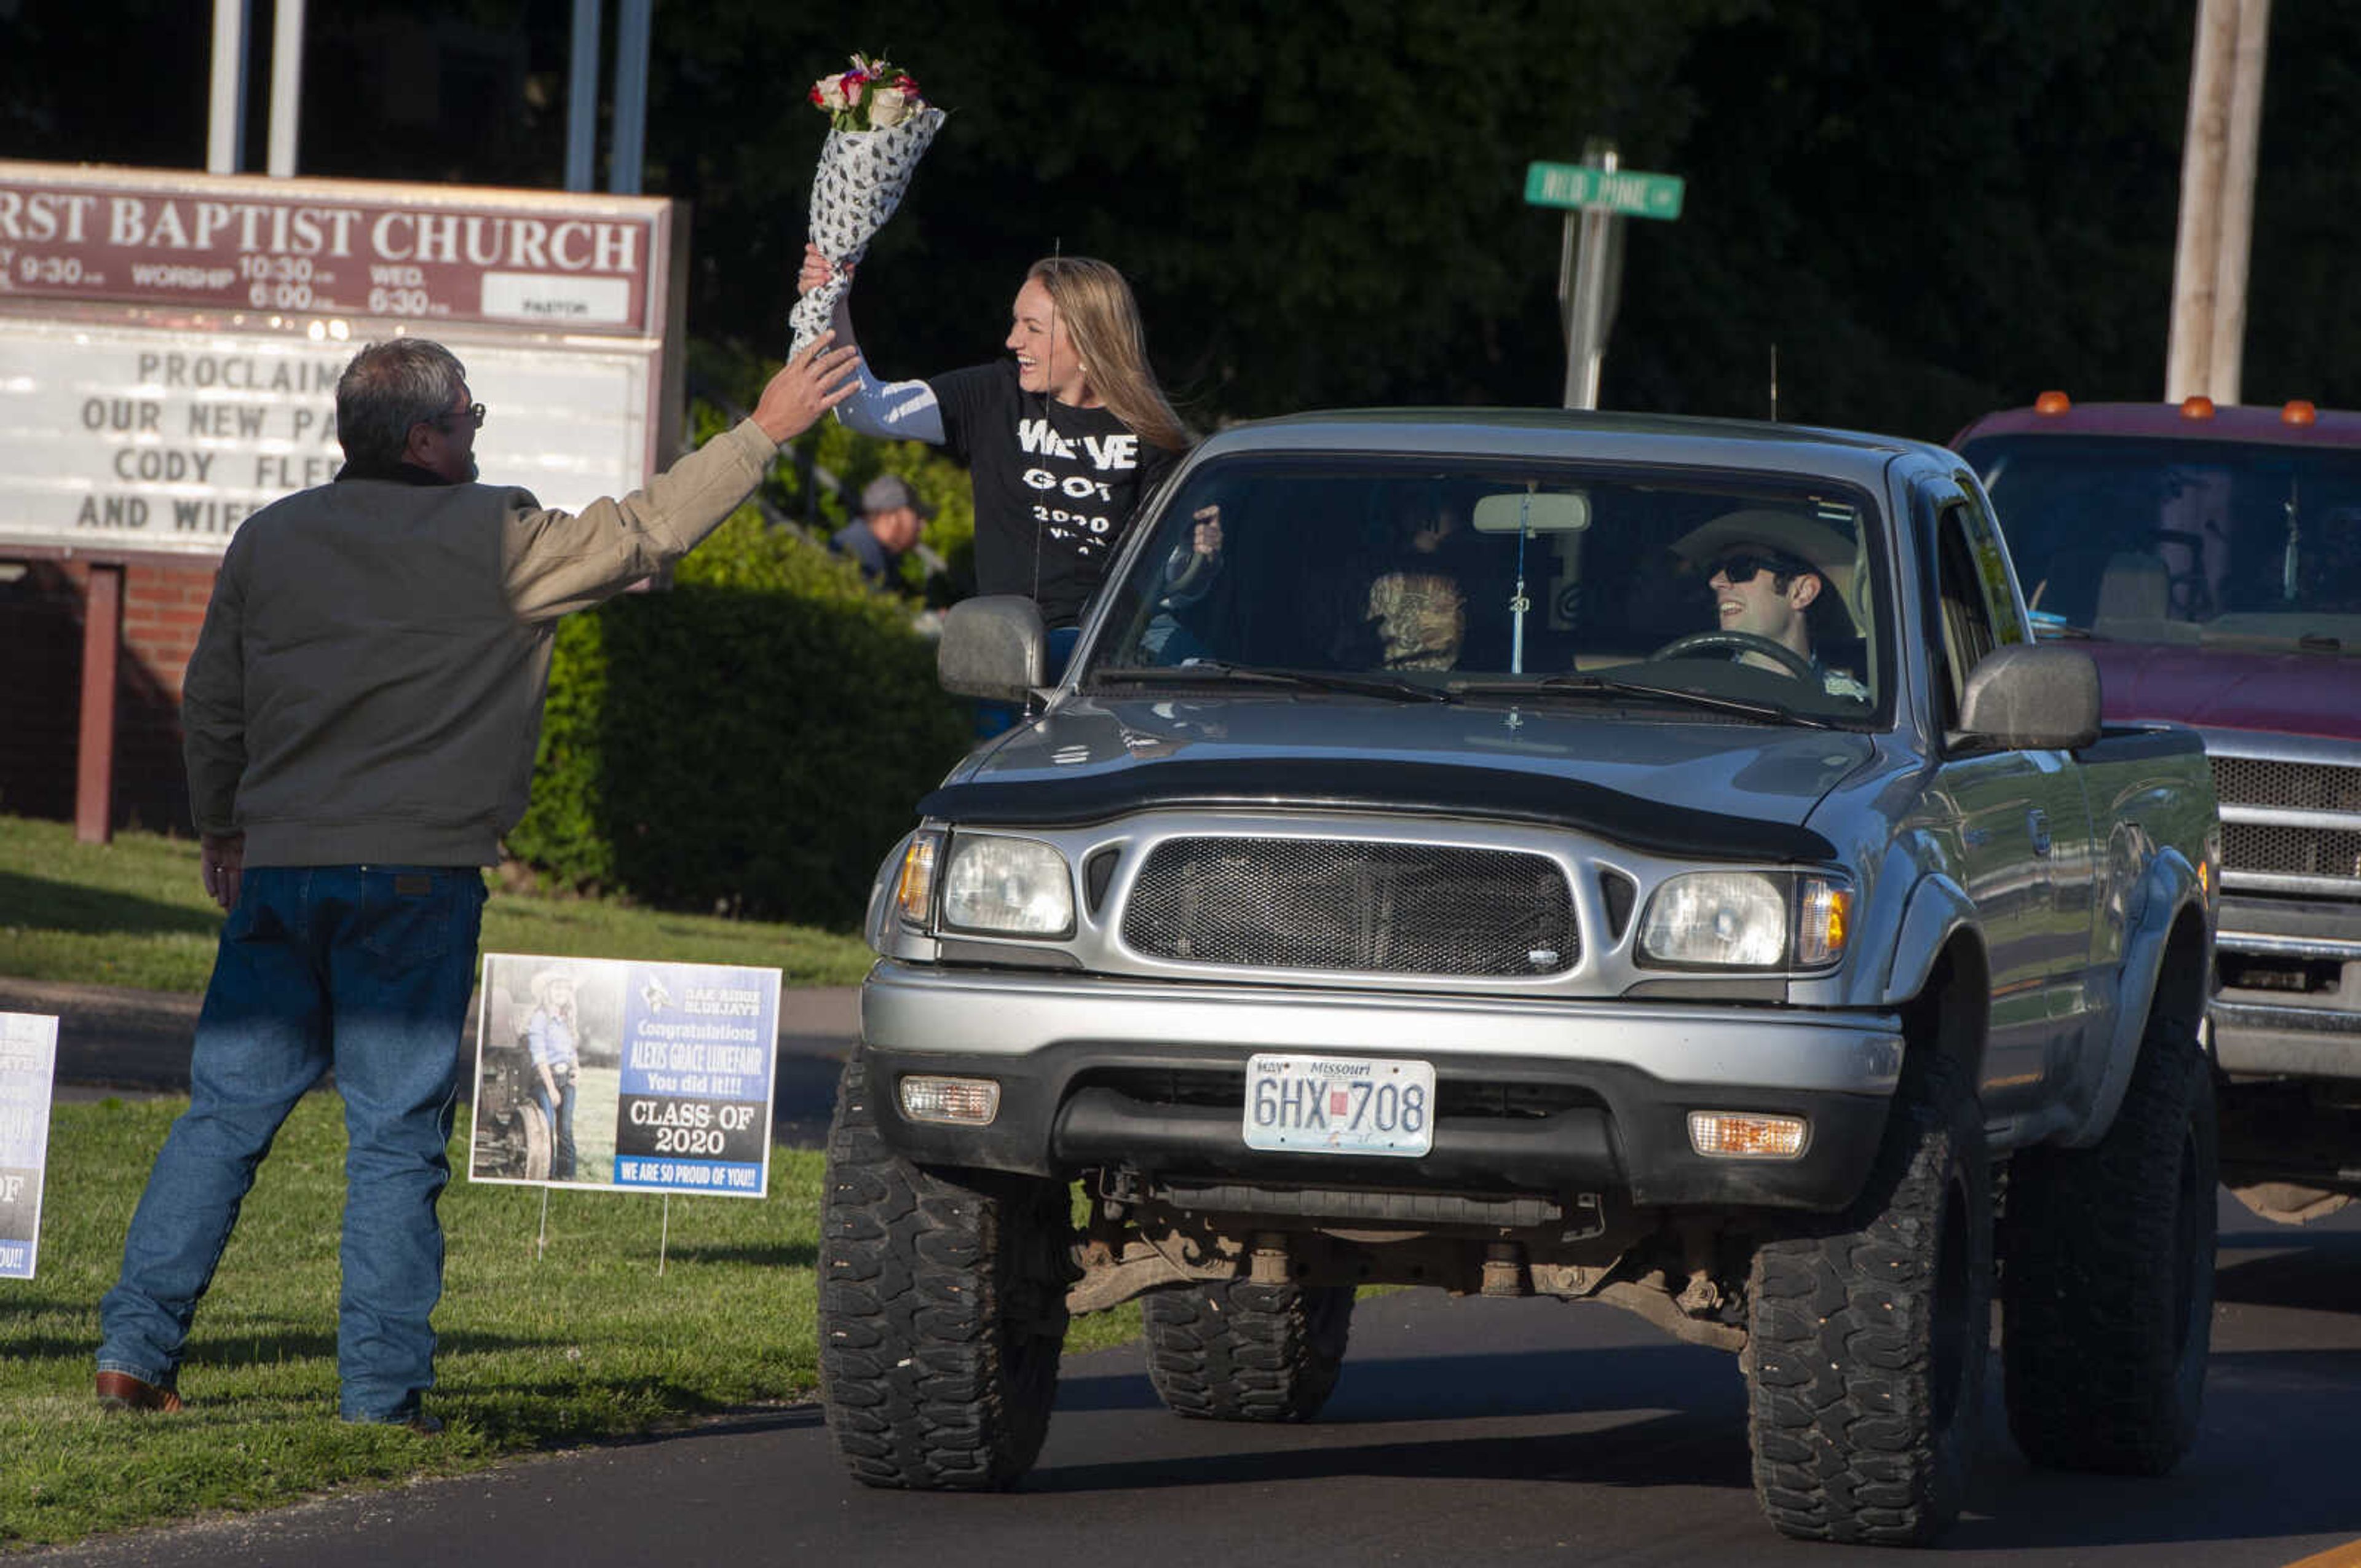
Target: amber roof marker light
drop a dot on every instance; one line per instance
(2052, 402)
(2197, 406)
(2299, 411)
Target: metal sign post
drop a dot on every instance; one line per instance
(1598, 195)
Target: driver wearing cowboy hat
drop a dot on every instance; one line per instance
(1767, 569)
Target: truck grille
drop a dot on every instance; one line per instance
(2249, 787)
(2288, 786)
(1369, 907)
(2289, 852)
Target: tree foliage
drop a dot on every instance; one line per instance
(1929, 209)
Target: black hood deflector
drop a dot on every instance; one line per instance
(1365, 785)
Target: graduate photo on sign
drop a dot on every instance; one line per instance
(547, 1052)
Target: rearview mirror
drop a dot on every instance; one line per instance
(1519, 512)
(993, 647)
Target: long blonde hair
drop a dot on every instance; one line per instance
(1095, 307)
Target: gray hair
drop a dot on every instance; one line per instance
(387, 388)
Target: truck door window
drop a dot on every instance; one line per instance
(1966, 625)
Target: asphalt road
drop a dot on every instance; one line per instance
(1485, 1431)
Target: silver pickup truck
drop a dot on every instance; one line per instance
(1628, 859)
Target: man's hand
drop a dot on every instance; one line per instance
(221, 862)
(807, 387)
(1205, 535)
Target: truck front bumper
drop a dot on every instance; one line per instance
(2308, 1023)
(1546, 1097)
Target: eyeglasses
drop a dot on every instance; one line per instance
(1740, 566)
(473, 413)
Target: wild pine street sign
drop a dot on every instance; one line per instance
(1624, 191)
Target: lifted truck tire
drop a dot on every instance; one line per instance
(2107, 1295)
(942, 1310)
(1866, 1342)
(1231, 1350)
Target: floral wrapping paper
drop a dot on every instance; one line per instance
(862, 179)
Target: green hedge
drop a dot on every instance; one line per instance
(752, 740)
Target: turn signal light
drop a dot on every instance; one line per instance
(2052, 402)
(2299, 411)
(969, 1101)
(915, 896)
(1745, 1134)
(2197, 406)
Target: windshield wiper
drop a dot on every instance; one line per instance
(1600, 685)
(1201, 671)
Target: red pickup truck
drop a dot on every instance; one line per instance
(2209, 558)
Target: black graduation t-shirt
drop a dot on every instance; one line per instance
(1055, 485)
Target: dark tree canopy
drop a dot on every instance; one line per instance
(1929, 209)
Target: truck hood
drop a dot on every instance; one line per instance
(1441, 757)
(2229, 689)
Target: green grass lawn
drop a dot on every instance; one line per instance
(132, 913)
(588, 1341)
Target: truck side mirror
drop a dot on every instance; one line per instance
(993, 647)
(2033, 697)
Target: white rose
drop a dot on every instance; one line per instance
(888, 106)
(829, 94)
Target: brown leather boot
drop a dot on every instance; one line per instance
(121, 1391)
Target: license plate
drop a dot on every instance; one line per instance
(1365, 1105)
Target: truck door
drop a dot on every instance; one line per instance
(2019, 817)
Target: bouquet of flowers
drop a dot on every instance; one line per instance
(879, 126)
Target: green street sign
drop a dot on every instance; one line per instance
(1623, 191)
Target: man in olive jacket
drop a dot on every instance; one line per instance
(360, 717)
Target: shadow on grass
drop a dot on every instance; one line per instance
(773, 1254)
(42, 905)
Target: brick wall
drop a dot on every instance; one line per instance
(41, 615)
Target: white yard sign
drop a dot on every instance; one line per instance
(29, 1059)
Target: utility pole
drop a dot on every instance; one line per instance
(2217, 201)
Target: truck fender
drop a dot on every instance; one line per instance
(1937, 907)
(877, 924)
(2168, 887)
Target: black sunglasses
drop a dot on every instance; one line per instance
(1740, 566)
(473, 415)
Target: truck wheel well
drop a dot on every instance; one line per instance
(1948, 1014)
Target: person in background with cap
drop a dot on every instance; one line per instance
(553, 1034)
(887, 529)
(360, 716)
(1767, 569)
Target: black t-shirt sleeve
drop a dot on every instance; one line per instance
(970, 399)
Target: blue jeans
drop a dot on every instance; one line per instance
(366, 970)
(560, 1118)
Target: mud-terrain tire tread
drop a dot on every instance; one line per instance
(942, 1310)
(2107, 1278)
(1866, 1347)
(1231, 1350)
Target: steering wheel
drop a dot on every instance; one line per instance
(1719, 641)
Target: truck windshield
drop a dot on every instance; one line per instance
(2180, 541)
(1485, 581)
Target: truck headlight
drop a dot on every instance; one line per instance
(1009, 887)
(1753, 920)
